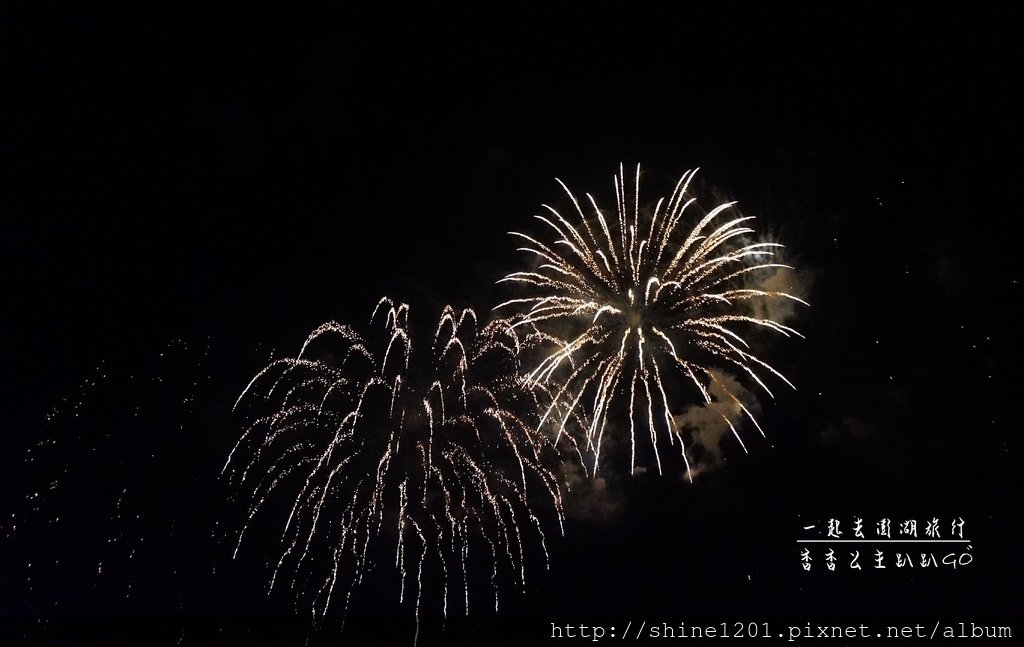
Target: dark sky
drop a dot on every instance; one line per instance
(233, 178)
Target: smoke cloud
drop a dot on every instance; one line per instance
(705, 426)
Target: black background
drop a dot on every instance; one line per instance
(186, 193)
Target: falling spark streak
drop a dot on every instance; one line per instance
(640, 278)
(349, 435)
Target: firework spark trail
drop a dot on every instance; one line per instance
(636, 299)
(434, 470)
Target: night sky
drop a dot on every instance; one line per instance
(185, 195)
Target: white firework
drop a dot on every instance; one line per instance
(627, 306)
(383, 464)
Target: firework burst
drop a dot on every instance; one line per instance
(626, 307)
(375, 466)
